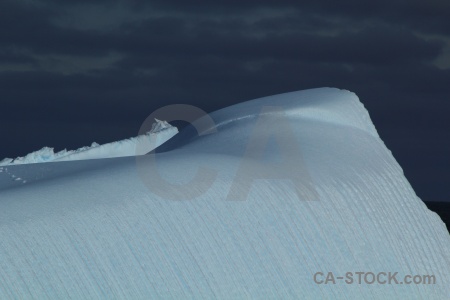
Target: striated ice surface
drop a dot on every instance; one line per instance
(106, 229)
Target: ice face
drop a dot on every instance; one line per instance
(103, 229)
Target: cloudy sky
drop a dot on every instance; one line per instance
(74, 72)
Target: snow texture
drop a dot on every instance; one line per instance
(161, 131)
(98, 229)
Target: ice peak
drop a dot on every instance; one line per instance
(160, 126)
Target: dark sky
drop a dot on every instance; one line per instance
(74, 72)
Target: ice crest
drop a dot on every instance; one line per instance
(160, 132)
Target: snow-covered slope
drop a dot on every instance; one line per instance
(161, 132)
(117, 229)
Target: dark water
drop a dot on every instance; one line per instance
(442, 209)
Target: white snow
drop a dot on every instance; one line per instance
(161, 131)
(5, 161)
(106, 229)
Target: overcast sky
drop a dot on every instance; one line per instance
(74, 72)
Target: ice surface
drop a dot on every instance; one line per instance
(99, 229)
(161, 131)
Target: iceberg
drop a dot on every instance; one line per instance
(146, 227)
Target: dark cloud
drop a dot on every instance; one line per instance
(425, 15)
(73, 72)
(273, 38)
(8, 56)
(369, 45)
